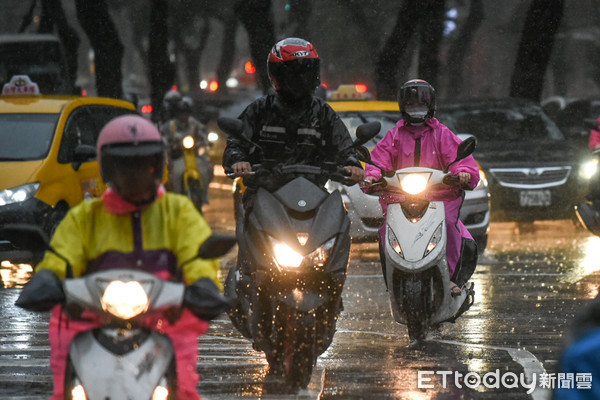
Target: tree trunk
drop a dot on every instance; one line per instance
(53, 15)
(161, 71)
(108, 49)
(535, 49)
(431, 35)
(458, 49)
(357, 15)
(257, 17)
(300, 11)
(227, 50)
(426, 17)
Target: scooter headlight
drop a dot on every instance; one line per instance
(284, 255)
(435, 239)
(413, 183)
(393, 242)
(319, 257)
(588, 169)
(78, 392)
(188, 142)
(125, 300)
(161, 392)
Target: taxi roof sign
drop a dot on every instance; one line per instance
(347, 92)
(20, 85)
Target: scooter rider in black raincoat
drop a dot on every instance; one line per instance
(292, 126)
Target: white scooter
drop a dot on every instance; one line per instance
(123, 358)
(414, 254)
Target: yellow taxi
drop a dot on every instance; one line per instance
(47, 153)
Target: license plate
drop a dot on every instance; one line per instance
(535, 198)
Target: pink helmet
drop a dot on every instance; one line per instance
(129, 136)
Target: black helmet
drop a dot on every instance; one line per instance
(184, 105)
(294, 68)
(170, 100)
(416, 99)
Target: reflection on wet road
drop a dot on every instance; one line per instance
(528, 286)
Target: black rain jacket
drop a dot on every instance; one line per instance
(309, 133)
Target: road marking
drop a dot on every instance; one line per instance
(531, 365)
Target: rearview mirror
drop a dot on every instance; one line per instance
(465, 149)
(366, 132)
(235, 127)
(216, 246)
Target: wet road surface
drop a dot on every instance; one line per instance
(528, 286)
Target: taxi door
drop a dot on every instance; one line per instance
(77, 150)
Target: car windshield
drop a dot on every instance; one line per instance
(26, 136)
(501, 124)
(353, 119)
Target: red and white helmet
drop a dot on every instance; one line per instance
(129, 137)
(294, 68)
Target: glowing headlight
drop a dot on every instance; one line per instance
(18, 194)
(201, 151)
(78, 392)
(160, 393)
(435, 239)
(213, 137)
(188, 142)
(124, 300)
(285, 256)
(393, 241)
(414, 183)
(588, 169)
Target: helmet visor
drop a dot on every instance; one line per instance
(416, 96)
(133, 150)
(298, 77)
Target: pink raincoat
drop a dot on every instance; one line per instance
(595, 137)
(438, 149)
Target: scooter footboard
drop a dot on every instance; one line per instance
(104, 373)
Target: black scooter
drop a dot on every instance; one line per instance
(294, 249)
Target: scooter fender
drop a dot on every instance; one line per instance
(304, 298)
(133, 375)
(414, 238)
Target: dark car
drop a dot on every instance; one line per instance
(533, 171)
(573, 116)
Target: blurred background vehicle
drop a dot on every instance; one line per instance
(364, 209)
(534, 172)
(39, 56)
(48, 153)
(570, 115)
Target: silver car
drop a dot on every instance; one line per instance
(364, 210)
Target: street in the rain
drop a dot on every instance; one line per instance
(528, 286)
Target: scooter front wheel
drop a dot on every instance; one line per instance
(416, 306)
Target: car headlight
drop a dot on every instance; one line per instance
(588, 169)
(435, 239)
(188, 142)
(125, 300)
(483, 183)
(393, 241)
(18, 194)
(413, 183)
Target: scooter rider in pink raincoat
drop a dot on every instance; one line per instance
(419, 139)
